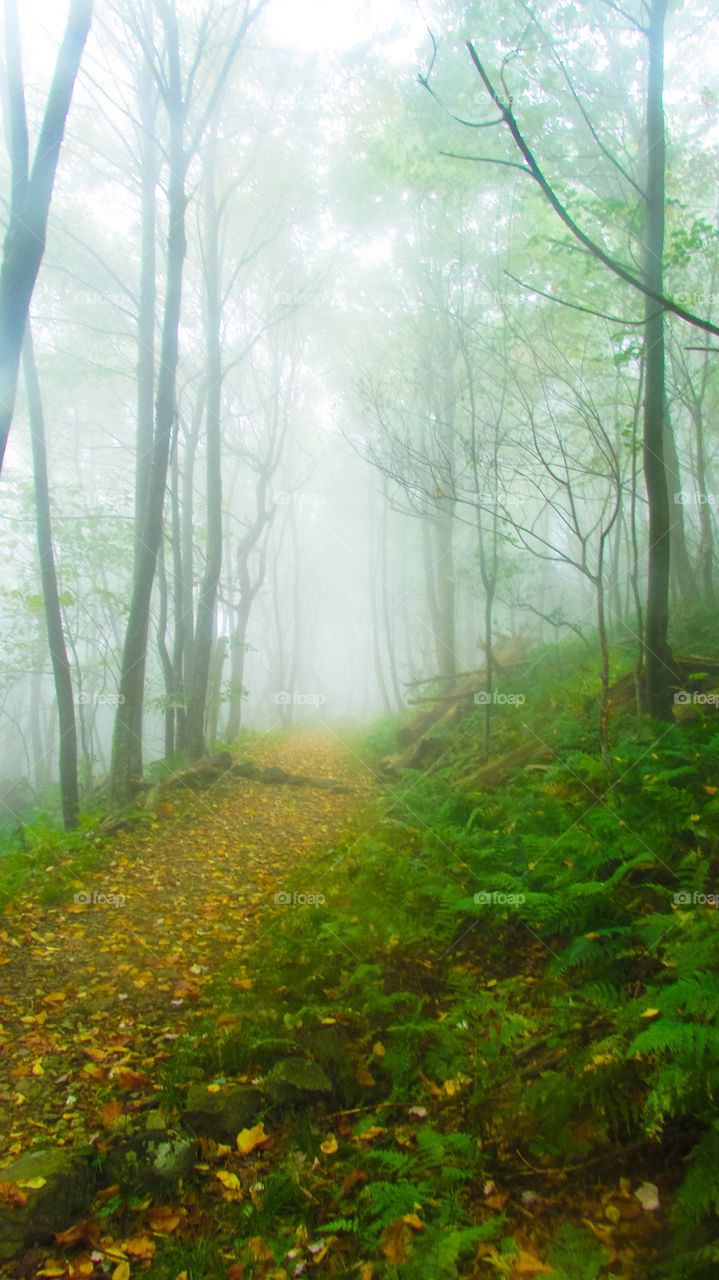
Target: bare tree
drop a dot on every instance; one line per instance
(31, 188)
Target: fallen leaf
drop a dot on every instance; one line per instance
(139, 1247)
(648, 1196)
(413, 1221)
(395, 1239)
(111, 1113)
(164, 1219)
(122, 1271)
(373, 1132)
(10, 1194)
(87, 1233)
(364, 1077)
(248, 1139)
(230, 1181)
(260, 1250)
(329, 1146)
(528, 1264)
(128, 1079)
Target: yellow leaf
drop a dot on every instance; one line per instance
(37, 1068)
(228, 1180)
(369, 1134)
(122, 1271)
(651, 1013)
(260, 1250)
(248, 1139)
(528, 1264)
(164, 1219)
(395, 1238)
(329, 1146)
(32, 1184)
(214, 1088)
(378, 1049)
(452, 1088)
(413, 1221)
(139, 1247)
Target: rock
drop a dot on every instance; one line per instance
(221, 1115)
(296, 1080)
(329, 1046)
(202, 773)
(246, 769)
(331, 784)
(64, 1197)
(274, 774)
(147, 1159)
(239, 1054)
(155, 1120)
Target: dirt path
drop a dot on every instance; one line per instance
(93, 995)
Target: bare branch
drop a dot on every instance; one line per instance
(667, 304)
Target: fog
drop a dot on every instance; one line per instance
(333, 402)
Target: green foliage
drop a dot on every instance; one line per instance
(576, 1255)
(537, 955)
(39, 857)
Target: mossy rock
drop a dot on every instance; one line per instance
(221, 1115)
(330, 1047)
(237, 1052)
(297, 1081)
(147, 1159)
(63, 1197)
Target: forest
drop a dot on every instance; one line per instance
(359, 659)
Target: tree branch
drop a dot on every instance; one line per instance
(532, 165)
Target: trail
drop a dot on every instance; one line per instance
(93, 995)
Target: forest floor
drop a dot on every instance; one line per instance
(425, 1161)
(94, 994)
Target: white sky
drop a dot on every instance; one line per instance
(332, 26)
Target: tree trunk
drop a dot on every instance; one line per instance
(657, 654)
(682, 571)
(214, 689)
(205, 624)
(31, 190)
(148, 296)
(237, 657)
(53, 614)
(126, 767)
(165, 659)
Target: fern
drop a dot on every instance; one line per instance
(699, 1193)
(391, 1200)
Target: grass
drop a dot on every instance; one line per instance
(516, 1024)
